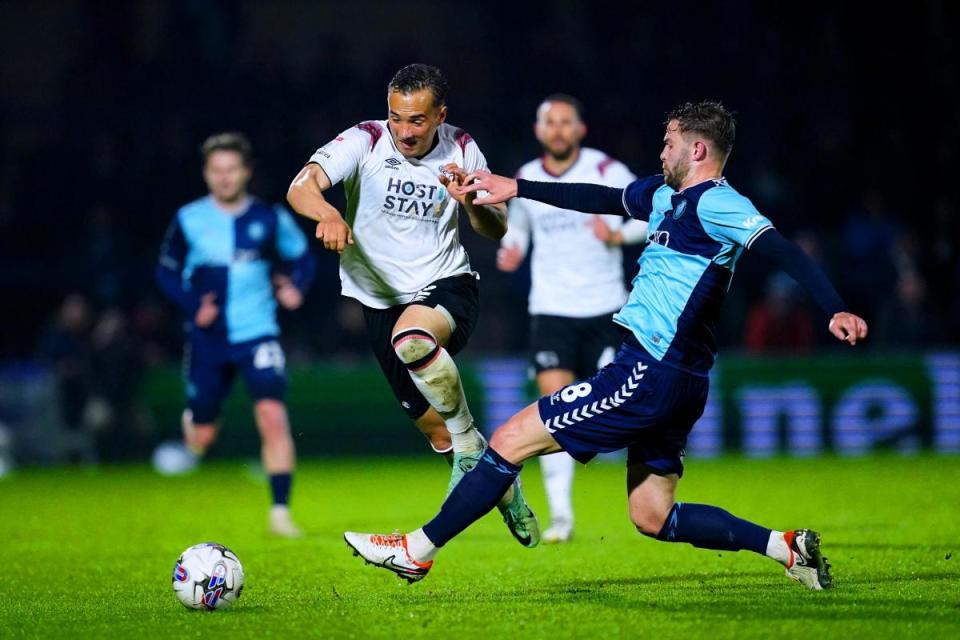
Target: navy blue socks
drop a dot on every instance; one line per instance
(477, 493)
(712, 528)
(280, 487)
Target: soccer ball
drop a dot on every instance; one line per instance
(208, 576)
(173, 459)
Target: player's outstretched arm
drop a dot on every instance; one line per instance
(305, 195)
(588, 198)
(489, 220)
(791, 259)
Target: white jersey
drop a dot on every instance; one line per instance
(403, 220)
(573, 274)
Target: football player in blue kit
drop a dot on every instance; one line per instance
(227, 260)
(650, 396)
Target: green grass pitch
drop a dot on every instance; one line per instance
(90, 554)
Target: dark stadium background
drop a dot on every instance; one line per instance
(848, 130)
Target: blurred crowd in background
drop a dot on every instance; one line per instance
(845, 140)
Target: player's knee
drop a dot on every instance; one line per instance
(508, 440)
(202, 436)
(272, 420)
(648, 519)
(414, 346)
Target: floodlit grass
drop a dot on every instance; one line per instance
(90, 553)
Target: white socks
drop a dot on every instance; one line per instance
(419, 546)
(557, 471)
(436, 376)
(778, 549)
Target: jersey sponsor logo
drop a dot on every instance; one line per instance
(559, 221)
(413, 199)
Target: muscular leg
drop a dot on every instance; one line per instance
(198, 437)
(420, 337)
(277, 449)
(278, 455)
(655, 513)
(520, 438)
(557, 468)
(433, 427)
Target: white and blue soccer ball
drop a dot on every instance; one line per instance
(173, 459)
(208, 576)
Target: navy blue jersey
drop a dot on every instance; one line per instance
(208, 250)
(695, 238)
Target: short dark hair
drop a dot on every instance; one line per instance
(230, 141)
(417, 76)
(710, 119)
(566, 99)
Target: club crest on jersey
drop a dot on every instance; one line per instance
(441, 201)
(680, 209)
(256, 231)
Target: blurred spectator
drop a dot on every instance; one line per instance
(68, 347)
(904, 320)
(781, 322)
(112, 411)
(868, 239)
(102, 258)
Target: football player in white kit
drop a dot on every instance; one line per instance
(401, 258)
(576, 276)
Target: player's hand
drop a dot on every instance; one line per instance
(604, 234)
(287, 294)
(454, 179)
(848, 327)
(335, 233)
(208, 311)
(498, 188)
(509, 258)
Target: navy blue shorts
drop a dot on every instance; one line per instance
(636, 403)
(211, 365)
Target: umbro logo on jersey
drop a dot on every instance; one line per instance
(424, 293)
(392, 163)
